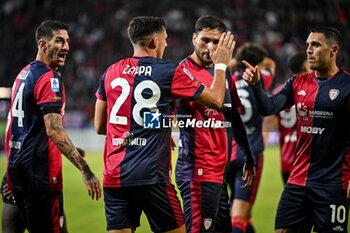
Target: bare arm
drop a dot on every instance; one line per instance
(100, 116)
(56, 132)
(213, 97)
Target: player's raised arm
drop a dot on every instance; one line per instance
(213, 97)
(55, 130)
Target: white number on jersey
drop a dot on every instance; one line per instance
(17, 106)
(247, 105)
(141, 102)
(288, 118)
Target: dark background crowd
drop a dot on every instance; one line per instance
(99, 37)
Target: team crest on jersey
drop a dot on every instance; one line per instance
(55, 85)
(333, 93)
(61, 221)
(207, 223)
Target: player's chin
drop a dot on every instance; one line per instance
(61, 63)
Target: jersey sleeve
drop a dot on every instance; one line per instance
(235, 100)
(277, 102)
(101, 93)
(184, 85)
(48, 92)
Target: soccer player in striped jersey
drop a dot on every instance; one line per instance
(205, 151)
(133, 108)
(286, 119)
(317, 190)
(242, 200)
(35, 136)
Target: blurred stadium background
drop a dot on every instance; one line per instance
(98, 38)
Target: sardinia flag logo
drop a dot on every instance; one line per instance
(333, 93)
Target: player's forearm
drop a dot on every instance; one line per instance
(218, 87)
(267, 105)
(56, 132)
(213, 97)
(240, 136)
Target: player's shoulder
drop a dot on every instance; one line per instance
(38, 69)
(345, 74)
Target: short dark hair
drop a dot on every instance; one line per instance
(332, 35)
(252, 53)
(209, 22)
(296, 62)
(46, 29)
(141, 27)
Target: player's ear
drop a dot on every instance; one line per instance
(334, 50)
(153, 43)
(42, 44)
(194, 37)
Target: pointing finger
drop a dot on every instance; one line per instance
(249, 66)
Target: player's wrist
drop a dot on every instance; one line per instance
(220, 66)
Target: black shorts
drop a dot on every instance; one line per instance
(301, 207)
(206, 206)
(124, 205)
(234, 180)
(41, 210)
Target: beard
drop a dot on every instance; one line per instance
(204, 61)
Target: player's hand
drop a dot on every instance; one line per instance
(251, 74)
(224, 49)
(172, 144)
(6, 192)
(92, 184)
(81, 151)
(249, 173)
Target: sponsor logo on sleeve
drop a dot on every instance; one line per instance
(55, 85)
(188, 73)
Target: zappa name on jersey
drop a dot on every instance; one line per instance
(138, 70)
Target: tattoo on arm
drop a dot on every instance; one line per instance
(55, 130)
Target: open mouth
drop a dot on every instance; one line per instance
(62, 56)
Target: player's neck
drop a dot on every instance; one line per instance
(41, 56)
(326, 73)
(141, 52)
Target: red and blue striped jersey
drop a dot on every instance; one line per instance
(323, 126)
(205, 148)
(140, 93)
(34, 162)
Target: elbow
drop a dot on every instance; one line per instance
(100, 129)
(50, 132)
(217, 104)
(100, 132)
